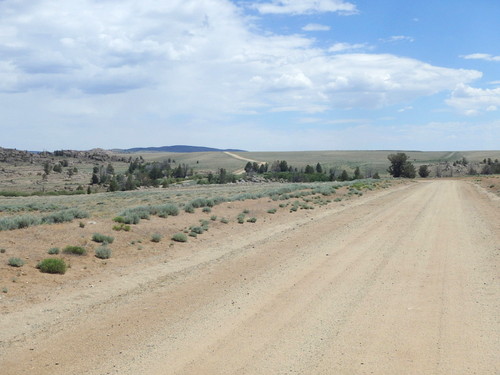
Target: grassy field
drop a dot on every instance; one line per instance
(29, 177)
(349, 160)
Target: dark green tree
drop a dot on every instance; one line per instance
(309, 169)
(319, 168)
(344, 176)
(423, 171)
(357, 174)
(400, 166)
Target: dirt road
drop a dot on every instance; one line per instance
(242, 170)
(401, 282)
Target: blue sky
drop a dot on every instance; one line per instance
(268, 75)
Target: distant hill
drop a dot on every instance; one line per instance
(176, 148)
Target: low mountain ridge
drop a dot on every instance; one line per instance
(175, 148)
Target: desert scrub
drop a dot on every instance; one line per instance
(206, 210)
(74, 250)
(213, 217)
(101, 238)
(189, 209)
(179, 237)
(166, 210)
(25, 221)
(15, 262)
(252, 220)
(156, 237)
(103, 252)
(240, 218)
(53, 251)
(19, 222)
(52, 265)
(224, 220)
(64, 216)
(197, 230)
(124, 227)
(193, 234)
(271, 211)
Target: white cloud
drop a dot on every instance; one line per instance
(315, 27)
(340, 47)
(305, 7)
(473, 101)
(117, 64)
(481, 56)
(407, 108)
(398, 38)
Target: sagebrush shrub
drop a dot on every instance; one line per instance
(98, 237)
(16, 262)
(53, 250)
(156, 237)
(103, 252)
(179, 237)
(52, 265)
(74, 250)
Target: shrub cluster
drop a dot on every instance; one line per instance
(103, 252)
(74, 250)
(179, 237)
(101, 238)
(16, 262)
(156, 237)
(52, 265)
(25, 221)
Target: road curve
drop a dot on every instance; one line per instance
(404, 282)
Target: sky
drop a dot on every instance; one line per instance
(266, 75)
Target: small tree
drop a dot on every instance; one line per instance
(344, 176)
(357, 174)
(309, 169)
(400, 166)
(423, 171)
(319, 168)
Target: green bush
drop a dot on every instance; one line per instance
(167, 210)
(224, 220)
(192, 234)
(101, 238)
(53, 250)
(189, 209)
(213, 217)
(16, 262)
(119, 219)
(252, 220)
(64, 216)
(271, 211)
(241, 218)
(103, 252)
(19, 222)
(156, 237)
(179, 237)
(52, 265)
(122, 226)
(197, 230)
(74, 250)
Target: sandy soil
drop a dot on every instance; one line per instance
(401, 281)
